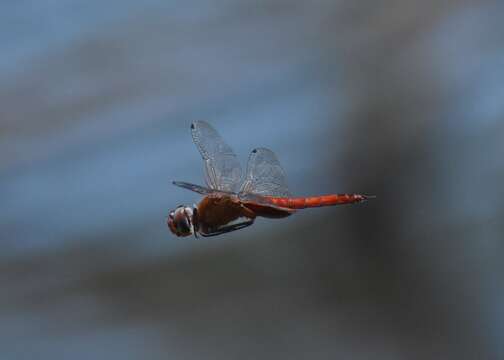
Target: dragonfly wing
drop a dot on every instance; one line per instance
(196, 188)
(201, 189)
(222, 168)
(265, 175)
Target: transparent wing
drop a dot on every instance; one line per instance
(222, 168)
(265, 175)
(196, 188)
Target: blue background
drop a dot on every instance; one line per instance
(402, 99)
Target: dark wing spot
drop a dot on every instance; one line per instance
(254, 151)
(192, 126)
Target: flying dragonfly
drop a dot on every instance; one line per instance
(232, 202)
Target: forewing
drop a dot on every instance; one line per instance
(196, 188)
(221, 165)
(265, 175)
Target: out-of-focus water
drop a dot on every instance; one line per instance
(399, 99)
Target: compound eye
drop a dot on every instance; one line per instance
(183, 226)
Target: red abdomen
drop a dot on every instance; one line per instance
(317, 201)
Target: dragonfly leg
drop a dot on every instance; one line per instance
(229, 228)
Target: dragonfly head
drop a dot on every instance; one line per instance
(180, 221)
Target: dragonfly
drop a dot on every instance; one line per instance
(232, 201)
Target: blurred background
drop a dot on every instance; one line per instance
(402, 99)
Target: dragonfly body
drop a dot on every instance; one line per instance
(317, 201)
(217, 211)
(214, 212)
(231, 202)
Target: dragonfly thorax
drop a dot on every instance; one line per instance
(181, 220)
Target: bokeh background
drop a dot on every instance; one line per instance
(402, 99)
